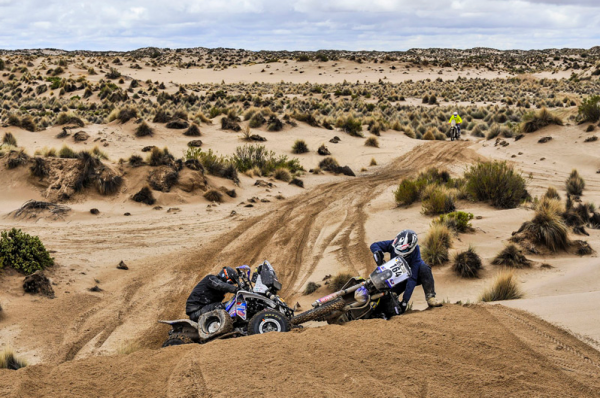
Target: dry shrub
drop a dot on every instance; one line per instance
(338, 281)
(575, 184)
(373, 162)
(127, 113)
(547, 227)
(535, 121)
(8, 360)
(214, 196)
(9, 139)
(299, 147)
(144, 130)
(372, 141)
(193, 131)
(504, 287)
(283, 175)
(329, 164)
(511, 256)
(552, 193)
(467, 264)
(311, 287)
(438, 200)
(144, 196)
(429, 136)
(436, 244)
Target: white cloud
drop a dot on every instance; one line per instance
(299, 24)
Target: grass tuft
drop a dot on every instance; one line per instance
(467, 264)
(504, 287)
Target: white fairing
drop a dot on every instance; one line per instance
(399, 269)
(453, 123)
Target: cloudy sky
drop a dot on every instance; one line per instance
(299, 24)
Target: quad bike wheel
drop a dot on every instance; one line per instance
(268, 321)
(177, 339)
(214, 323)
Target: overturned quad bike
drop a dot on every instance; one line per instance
(254, 309)
(359, 298)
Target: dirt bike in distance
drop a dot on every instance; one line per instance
(454, 134)
(359, 297)
(254, 309)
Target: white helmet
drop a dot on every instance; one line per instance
(405, 242)
(455, 113)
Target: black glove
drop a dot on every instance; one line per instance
(378, 256)
(403, 307)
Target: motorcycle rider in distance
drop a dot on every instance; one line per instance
(405, 245)
(210, 292)
(458, 121)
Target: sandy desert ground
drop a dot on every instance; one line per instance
(545, 343)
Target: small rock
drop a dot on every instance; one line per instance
(249, 205)
(148, 148)
(478, 217)
(195, 143)
(543, 140)
(157, 208)
(95, 289)
(38, 283)
(328, 276)
(127, 214)
(173, 210)
(122, 265)
(95, 211)
(233, 213)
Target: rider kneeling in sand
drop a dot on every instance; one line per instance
(405, 245)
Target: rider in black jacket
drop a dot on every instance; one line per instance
(210, 292)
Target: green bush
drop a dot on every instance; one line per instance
(250, 156)
(496, 182)
(458, 221)
(407, 193)
(23, 252)
(589, 110)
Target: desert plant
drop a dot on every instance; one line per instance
(575, 184)
(436, 244)
(9, 139)
(283, 175)
(214, 196)
(329, 164)
(440, 200)
(589, 110)
(547, 228)
(458, 221)
(249, 156)
(407, 192)
(127, 113)
(27, 123)
(23, 252)
(311, 287)
(551, 193)
(511, 256)
(351, 126)
(429, 136)
(193, 131)
(534, 121)
(504, 287)
(8, 360)
(372, 141)
(496, 182)
(337, 282)
(144, 130)
(467, 264)
(373, 162)
(67, 153)
(158, 157)
(299, 147)
(144, 196)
